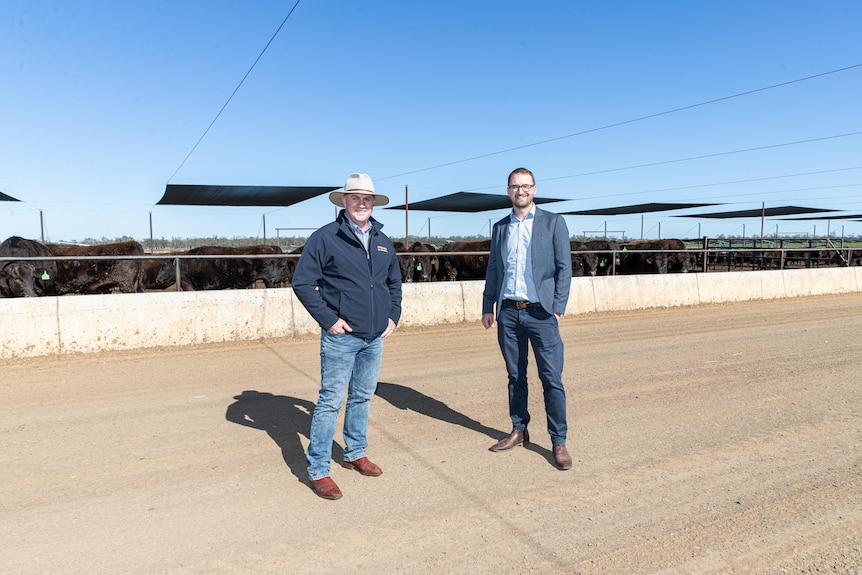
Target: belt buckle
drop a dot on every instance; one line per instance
(522, 304)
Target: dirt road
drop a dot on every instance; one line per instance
(716, 439)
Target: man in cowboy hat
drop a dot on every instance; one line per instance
(349, 280)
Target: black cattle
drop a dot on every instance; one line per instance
(151, 273)
(607, 257)
(580, 260)
(463, 267)
(810, 258)
(26, 278)
(227, 273)
(416, 262)
(405, 261)
(290, 267)
(652, 257)
(423, 262)
(99, 276)
(846, 257)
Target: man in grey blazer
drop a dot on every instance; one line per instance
(528, 279)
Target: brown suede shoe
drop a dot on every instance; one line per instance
(326, 488)
(364, 466)
(517, 437)
(561, 456)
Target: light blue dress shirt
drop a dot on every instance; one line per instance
(364, 236)
(518, 281)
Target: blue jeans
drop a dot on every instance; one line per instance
(347, 364)
(534, 326)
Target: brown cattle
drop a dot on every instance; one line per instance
(99, 276)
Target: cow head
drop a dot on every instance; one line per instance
(167, 272)
(24, 279)
(405, 262)
(591, 263)
(679, 262)
(579, 267)
(423, 267)
(424, 264)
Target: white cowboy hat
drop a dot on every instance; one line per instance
(358, 183)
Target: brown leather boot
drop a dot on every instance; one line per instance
(364, 466)
(326, 488)
(517, 437)
(561, 456)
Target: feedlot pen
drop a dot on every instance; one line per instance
(706, 439)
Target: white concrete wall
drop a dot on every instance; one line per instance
(79, 324)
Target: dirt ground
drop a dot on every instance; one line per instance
(718, 439)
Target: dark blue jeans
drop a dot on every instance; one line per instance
(516, 331)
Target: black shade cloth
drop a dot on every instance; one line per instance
(768, 212)
(467, 202)
(835, 217)
(636, 209)
(201, 195)
(5, 198)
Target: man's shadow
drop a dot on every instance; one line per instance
(406, 398)
(284, 419)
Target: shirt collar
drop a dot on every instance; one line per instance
(357, 229)
(531, 214)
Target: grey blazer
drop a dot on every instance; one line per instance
(552, 263)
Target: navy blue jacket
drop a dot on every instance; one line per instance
(336, 278)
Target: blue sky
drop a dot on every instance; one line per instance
(102, 102)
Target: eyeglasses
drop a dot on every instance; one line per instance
(526, 187)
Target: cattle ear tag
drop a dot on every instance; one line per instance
(46, 275)
(602, 264)
(419, 267)
(433, 261)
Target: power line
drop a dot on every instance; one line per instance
(727, 183)
(749, 180)
(718, 154)
(758, 194)
(624, 122)
(259, 56)
(688, 159)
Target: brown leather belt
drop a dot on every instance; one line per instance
(521, 304)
